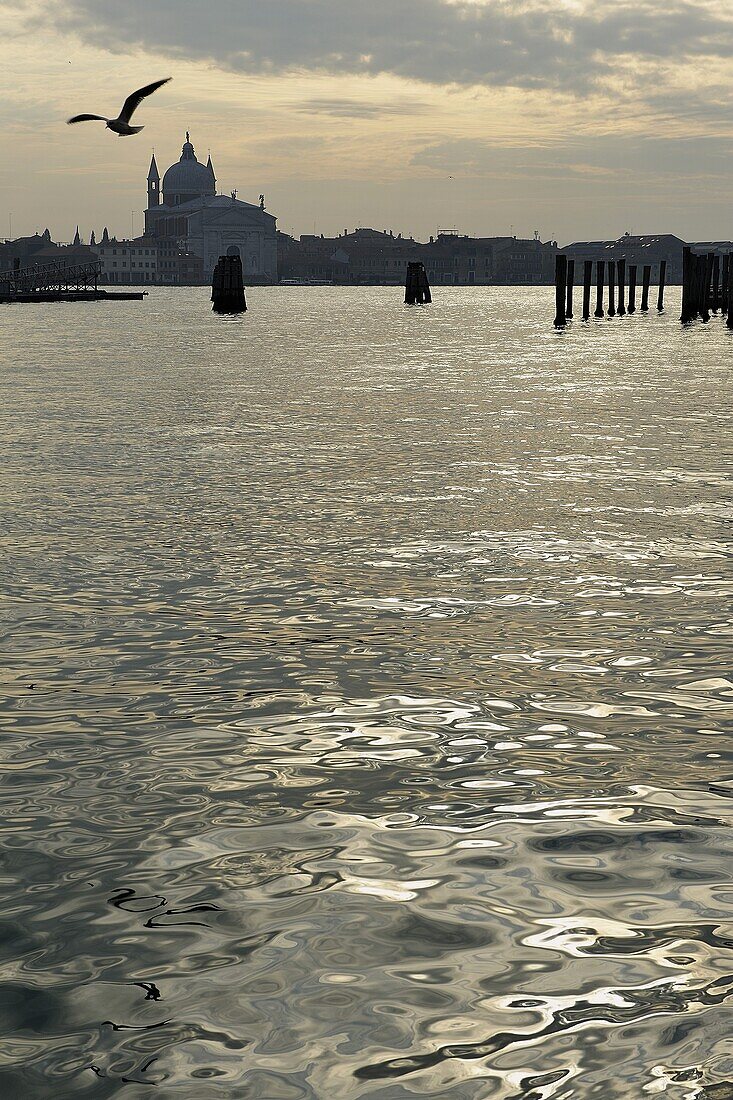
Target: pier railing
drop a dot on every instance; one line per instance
(49, 278)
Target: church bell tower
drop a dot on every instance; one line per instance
(153, 184)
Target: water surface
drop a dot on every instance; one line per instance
(365, 700)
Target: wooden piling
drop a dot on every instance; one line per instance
(693, 278)
(708, 277)
(570, 284)
(729, 295)
(621, 283)
(611, 288)
(600, 282)
(662, 281)
(715, 299)
(646, 278)
(417, 287)
(561, 285)
(425, 287)
(725, 282)
(411, 285)
(699, 294)
(702, 294)
(227, 287)
(587, 277)
(632, 289)
(696, 281)
(686, 314)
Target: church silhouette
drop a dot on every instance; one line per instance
(188, 211)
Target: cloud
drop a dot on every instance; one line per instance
(637, 158)
(557, 44)
(352, 108)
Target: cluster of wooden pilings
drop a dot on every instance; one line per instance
(227, 288)
(707, 286)
(610, 274)
(417, 287)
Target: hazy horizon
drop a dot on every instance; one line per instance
(574, 119)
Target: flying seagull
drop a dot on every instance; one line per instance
(121, 124)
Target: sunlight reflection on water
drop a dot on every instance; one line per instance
(366, 700)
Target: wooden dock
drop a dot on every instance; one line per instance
(73, 296)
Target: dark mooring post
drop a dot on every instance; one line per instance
(417, 287)
(662, 281)
(227, 287)
(697, 280)
(600, 280)
(729, 295)
(632, 288)
(699, 296)
(705, 276)
(708, 276)
(570, 284)
(611, 288)
(414, 289)
(621, 282)
(424, 297)
(587, 276)
(561, 286)
(715, 301)
(726, 276)
(411, 285)
(686, 314)
(646, 278)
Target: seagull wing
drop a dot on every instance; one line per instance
(133, 101)
(87, 118)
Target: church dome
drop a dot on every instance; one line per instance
(187, 180)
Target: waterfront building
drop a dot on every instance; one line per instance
(363, 256)
(719, 247)
(134, 262)
(640, 250)
(453, 258)
(177, 254)
(186, 212)
(24, 249)
(367, 256)
(39, 250)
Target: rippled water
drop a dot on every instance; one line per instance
(366, 690)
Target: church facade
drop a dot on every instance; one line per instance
(187, 212)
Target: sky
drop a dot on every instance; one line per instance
(577, 118)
